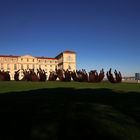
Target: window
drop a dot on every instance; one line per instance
(2, 66)
(15, 66)
(21, 59)
(33, 60)
(27, 60)
(69, 58)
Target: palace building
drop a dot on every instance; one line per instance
(65, 60)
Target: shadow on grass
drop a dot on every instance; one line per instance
(67, 113)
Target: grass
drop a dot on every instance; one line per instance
(63, 110)
(14, 86)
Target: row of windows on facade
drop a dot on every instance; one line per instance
(27, 60)
(23, 66)
(69, 58)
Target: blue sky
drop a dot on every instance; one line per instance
(104, 33)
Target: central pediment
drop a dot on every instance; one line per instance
(27, 56)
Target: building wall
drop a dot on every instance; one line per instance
(69, 61)
(65, 60)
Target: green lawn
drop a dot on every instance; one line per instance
(63, 110)
(25, 86)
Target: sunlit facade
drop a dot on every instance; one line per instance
(65, 60)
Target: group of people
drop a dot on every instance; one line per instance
(63, 75)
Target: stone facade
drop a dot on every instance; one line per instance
(65, 60)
